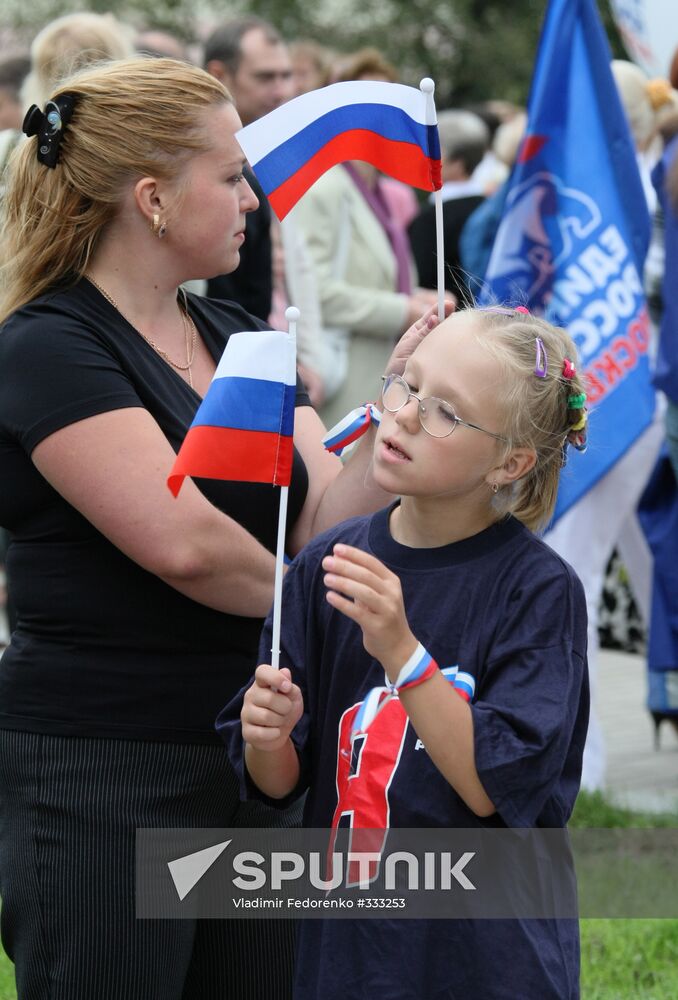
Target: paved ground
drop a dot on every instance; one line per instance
(638, 776)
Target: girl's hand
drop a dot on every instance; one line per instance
(363, 589)
(414, 335)
(271, 708)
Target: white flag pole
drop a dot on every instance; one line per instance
(427, 87)
(292, 316)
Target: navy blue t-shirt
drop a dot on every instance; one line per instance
(505, 608)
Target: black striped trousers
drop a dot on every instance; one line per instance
(69, 808)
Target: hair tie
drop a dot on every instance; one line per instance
(522, 309)
(49, 126)
(541, 358)
(569, 370)
(576, 402)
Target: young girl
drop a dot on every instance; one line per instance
(472, 440)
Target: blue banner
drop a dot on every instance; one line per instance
(574, 234)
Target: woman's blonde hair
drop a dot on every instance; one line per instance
(68, 44)
(647, 103)
(132, 118)
(539, 410)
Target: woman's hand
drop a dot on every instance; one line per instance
(272, 706)
(363, 589)
(423, 299)
(414, 336)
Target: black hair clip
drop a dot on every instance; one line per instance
(49, 126)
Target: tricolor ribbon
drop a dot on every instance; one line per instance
(463, 683)
(351, 427)
(419, 668)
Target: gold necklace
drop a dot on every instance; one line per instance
(190, 332)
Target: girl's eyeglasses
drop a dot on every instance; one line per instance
(437, 417)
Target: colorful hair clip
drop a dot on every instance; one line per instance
(541, 358)
(522, 309)
(576, 402)
(578, 441)
(569, 371)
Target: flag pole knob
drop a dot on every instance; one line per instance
(427, 87)
(292, 314)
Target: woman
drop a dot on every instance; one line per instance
(70, 43)
(138, 614)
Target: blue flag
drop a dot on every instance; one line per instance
(574, 234)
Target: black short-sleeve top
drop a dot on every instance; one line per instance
(103, 647)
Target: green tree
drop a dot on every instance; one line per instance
(474, 49)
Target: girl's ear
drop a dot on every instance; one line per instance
(518, 463)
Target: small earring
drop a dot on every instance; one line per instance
(495, 488)
(159, 228)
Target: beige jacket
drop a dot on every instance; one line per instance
(356, 275)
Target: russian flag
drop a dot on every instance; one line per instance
(244, 426)
(381, 123)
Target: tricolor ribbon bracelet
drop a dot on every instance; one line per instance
(351, 427)
(419, 668)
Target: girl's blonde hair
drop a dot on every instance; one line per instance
(132, 118)
(539, 410)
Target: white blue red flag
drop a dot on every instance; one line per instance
(381, 123)
(245, 424)
(574, 233)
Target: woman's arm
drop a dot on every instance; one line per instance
(112, 468)
(335, 491)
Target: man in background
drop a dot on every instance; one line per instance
(464, 138)
(251, 59)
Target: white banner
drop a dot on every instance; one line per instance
(649, 30)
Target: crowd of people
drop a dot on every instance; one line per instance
(134, 240)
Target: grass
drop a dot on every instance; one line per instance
(593, 810)
(626, 959)
(629, 959)
(7, 991)
(621, 959)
